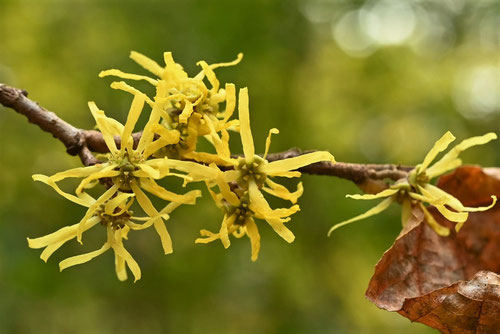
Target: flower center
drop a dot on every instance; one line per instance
(126, 165)
(251, 171)
(242, 212)
(117, 221)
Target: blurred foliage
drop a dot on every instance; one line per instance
(370, 81)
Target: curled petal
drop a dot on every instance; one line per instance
(77, 172)
(268, 140)
(280, 166)
(131, 263)
(225, 190)
(230, 102)
(159, 225)
(82, 258)
(372, 212)
(253, 234)
(282, 192)
(105, 172)
(147, 63)
(209, 73)
(432, 222)
(383, 193)
(121, 271)
(259, 205)
(48, 181)
(123, 75)
(438, 147)
(115, 202)
(122, 85)
(155, 189)
(55, 240)
(186, 112)
(90, 212)
(449, 160)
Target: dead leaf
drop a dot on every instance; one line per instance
(418, 262)
(439, 281)
(465, 307)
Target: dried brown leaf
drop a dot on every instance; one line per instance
(439, 281)
(465, 307)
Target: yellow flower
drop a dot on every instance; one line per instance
(417, 189)
(191, 108)
(128, 169)
(115, 216)
(244, 201)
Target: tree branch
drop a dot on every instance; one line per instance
(369, 177)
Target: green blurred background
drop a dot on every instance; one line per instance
(370, 81)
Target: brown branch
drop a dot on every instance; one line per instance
(369, 177)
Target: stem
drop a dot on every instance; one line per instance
(369, 177)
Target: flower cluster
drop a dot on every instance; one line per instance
(417, 190)
(183, 111)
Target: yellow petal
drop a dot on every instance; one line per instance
(253, 234)
(133, 115)
(232, 175)
(259, 205)
(159, 225)
(428, 198)
(438, 228)
(282, 192)
(64, 234)
(383, 193)
(373, 211)
(186, 112)
(154, 118)
(172, 68)
(222, 147)
(291, 164)
(147, 171)
(223, 233)
(194, 170)
(457, 217)
(454, 203)
(441, 168)
(268, 140)
(153, 188)
(208, 71)
(105, 172)
(131, 263)
(90, 212)
(72, 198)
(122, 85)
(286, 174)
(78, 172)
(437, 148)
(448, 161)
(406, 210)
(226, 64)
(104, 126)
(226, 190)
(245, 131)
(121, 271)
(83, 258)
(112, 204)
(147, 63)
(230, 102)
(123, 75)
(207, 237)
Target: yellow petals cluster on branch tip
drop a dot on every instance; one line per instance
(240, 189)
(183, 110)
(417, 190)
